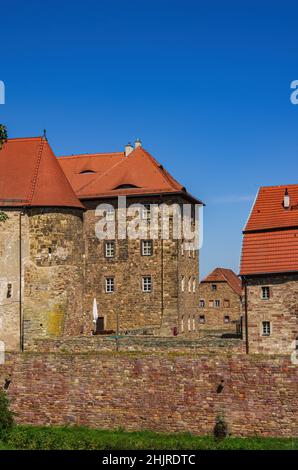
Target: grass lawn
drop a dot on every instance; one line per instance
(79, 438)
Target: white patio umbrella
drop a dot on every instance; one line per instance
(95, 311)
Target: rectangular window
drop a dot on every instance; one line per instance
(202, 303)
(189, 284)
(213, 287)
(110, 285)
(202, 319)
(146, 212)
(182, 283)
(217, 303)
(211, 303)
(265, 293)
(194, 284)
(147, 247)
(109, 249)
(266, 328)
(146, 284)
(227, 319)
(227, 303)
(9, 291)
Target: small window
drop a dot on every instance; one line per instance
(226, 303)
(265, 293)
(211, 303)
(217, 303)
(189, 284)
(202, 303)
(189, 253)
(146, 212)
(266, 328)
(182, 283)
(110, 285)
(193, 323)
(147, 284)
(182, 325)
(194, 284)
(109, 249)
(110, 213)
(87, 172)
(202, 319)
(147, 247)
(9, 291)
(189, 324)
(182, 248)
(213, 287)
(226, 319)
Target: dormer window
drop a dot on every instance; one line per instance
(88, 172)
(126, 186)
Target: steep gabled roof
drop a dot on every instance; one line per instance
(114, 174)
(31, 176)
(270, 240)
(225, 275)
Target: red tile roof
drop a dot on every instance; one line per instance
(31, 176)
(268, 211)
(270, 241)
(114, 174)
(270, 252)
(225, 275)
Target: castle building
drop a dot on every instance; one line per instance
(54, 268)
(269, 271)
(220, 301)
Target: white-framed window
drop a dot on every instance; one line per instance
(202, 303)
(146, 283)
(189, 284)
(147, 248)
(265, 293)
(194, 284)
(110, 285)
(211, 303)
(213, 287)
(182, 283)
(109, 249)
(110, 214)
(202, 319)
(217, 303)
(266, 328)
(146, 212)
(227, 319)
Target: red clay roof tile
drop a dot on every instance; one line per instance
(31, 176)
(225, 275)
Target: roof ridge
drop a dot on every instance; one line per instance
(79, 155)
(35, 174)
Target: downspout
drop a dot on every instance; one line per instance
(20, 285)
(246, 316)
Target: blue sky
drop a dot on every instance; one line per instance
(204, 84)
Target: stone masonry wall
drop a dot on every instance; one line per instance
(281, 310)
(128, 305)
(10, 274)
(230, 305)
(54, 274)
(160, 392)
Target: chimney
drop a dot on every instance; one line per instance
(286, 199)
(138, 143)
(128, 149)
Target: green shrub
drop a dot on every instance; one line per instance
(6, 415)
